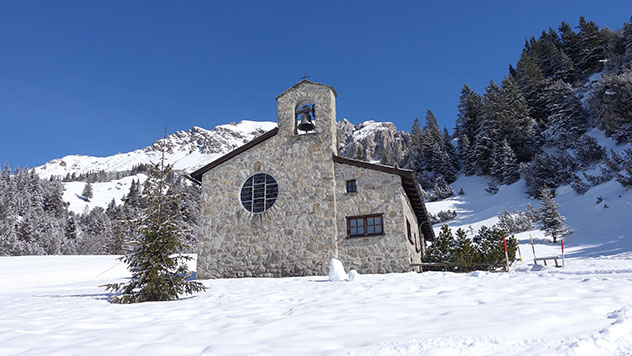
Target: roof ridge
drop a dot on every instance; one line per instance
(305, 81)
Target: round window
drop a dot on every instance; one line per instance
(259, 193)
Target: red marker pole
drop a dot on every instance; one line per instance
(562, 253)
(506, 256)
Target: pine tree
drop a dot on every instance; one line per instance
(489, 243)
(442, 189)
(415, 155)
(510, 171)
(592, 47)
(132, 199)
(415, 133)
(431, 142)
(159, 271)
(612, 103)
(441, 249)
(627, 35)
(552, 221)
(570, 42)
(452, 159)
(567, 119)
(532, 83)
(96, 232)
(464, 254)
(70, 232)
(470, 111)
(492, 187)
(487, 131)
(497, 160)
(387, 157)
(515, 123)
(469, 167)
(87, 191)
(624, 176)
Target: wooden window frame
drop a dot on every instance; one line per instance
(364, 219)
(354, 184)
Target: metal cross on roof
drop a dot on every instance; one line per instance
(305, 76)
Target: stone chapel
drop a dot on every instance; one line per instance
(285, 203)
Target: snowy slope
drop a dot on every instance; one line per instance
(103, 193)
(186, 150)
(597, 229)
(54, 305)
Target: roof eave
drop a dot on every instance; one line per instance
(410, 186)
(197, 175)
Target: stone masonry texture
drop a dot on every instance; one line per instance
(306, 226)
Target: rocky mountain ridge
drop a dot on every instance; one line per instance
(372, 141)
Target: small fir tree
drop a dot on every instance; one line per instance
(87, 191)
(464, 254)
(159, 270)
(489, 242)
(492, 187)
(552, 221)
(440, 250)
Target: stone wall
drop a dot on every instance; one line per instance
(296, 236)
(377, 193)
(306, 226)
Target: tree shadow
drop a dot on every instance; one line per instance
(96, 296)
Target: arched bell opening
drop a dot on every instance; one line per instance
(304, 118)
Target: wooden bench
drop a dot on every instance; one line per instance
(428, 264)
(451, 268)
(544, 259)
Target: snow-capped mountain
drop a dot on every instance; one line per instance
(186, 150)
(189, 150)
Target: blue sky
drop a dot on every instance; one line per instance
(102, 77)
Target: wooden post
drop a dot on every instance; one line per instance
(519, 252)
(533, 248)
(562, 253)
(506, 256)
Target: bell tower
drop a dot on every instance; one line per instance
(307, 111)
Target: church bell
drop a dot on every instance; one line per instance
(306, 123)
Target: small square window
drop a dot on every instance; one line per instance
(351, 186)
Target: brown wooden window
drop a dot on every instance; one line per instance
(365, 225)
(351, 186)
(408, 233)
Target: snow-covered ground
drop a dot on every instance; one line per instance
(102, 193)
(53, 305)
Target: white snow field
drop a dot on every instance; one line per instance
(53, 305)
(103, 193)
